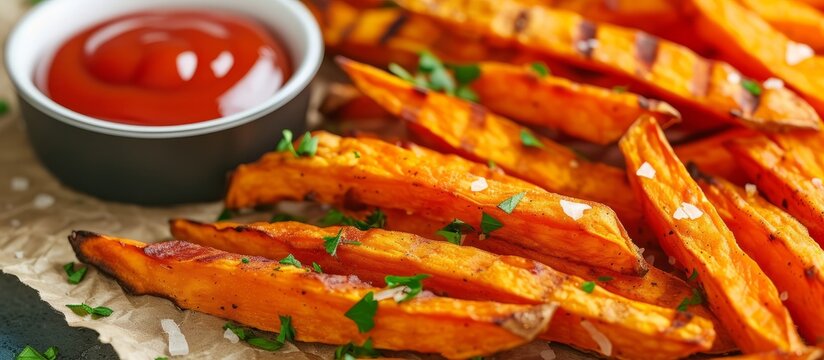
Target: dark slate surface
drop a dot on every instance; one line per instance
(26, 320)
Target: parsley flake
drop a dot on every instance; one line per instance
(454, 231)
(265, 344)
(465, 74)
(4, 107)
(357, 154)
(540, 68)
(620, 89)
(509, 204)
(30, 353)
(287, 332)
(465, 92)
(694, 299)
(363, 312)
(588, 286)
(317, 268)
(376, 219)
(491, 164)
(693, 276)
(283, 217)
(605, 278)
(95, 312)
(529, 140)
(244, 260)
(400, 72)
(224, 215)
(489, 223)
(331, 243)
(752, 87)
(285, 143)
(413, 283)
(75, 276)
(352, 351)
(290, 260)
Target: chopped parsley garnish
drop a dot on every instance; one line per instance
(283, 217)
(161, 358)
(363, 312)
(244, 260)
(287, 332)
(265, 344)
(588, 286)
(465, 74)
(433, 74)
(241, 332)
(224, 215)
(413, 283)
(351, 351)
(604, 278)
(466, 93)
(357, 154)
(290, 260)
(489, 223)
(375, 220)
(75, 276)
(509, 204)
(4, 107)
(307, 147)
(454, 231)
(694, 299)
(491, 164)
(400, 72)
(317, 268)
(752, 87)
(529, 140)
(620, 89)
(95, 312)
(30, 353)
(540, 69)
(331, 243)
(693, 276)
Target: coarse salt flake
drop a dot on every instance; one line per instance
(548, 354)
(817, 182)
(169, 326)
(751, 189)
(479, 185)
(646, 170)
(42, 201)
(178, 345)
(18, 254)
(797, 52)
(231, 336)
(687, 211)
(734, 77)
(773, 83)
(396, 293)
(19, 183)
(784, 296)
(671, 260)
(603, 342)
(573, 209)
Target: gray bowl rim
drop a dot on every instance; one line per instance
(299, 80)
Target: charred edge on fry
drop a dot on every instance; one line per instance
(646, 49)
(393, 29)
(521, 22)
(584, 40)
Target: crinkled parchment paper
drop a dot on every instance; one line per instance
(34, 247)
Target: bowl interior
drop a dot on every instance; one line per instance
(30, 45)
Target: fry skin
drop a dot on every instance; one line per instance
(469, 130)
(429, 187)
(781, 246)
(786, 178)
(635, 329)
(710, 155)
(690, 229)
(582, 111)
(746, 39)
(656, 287)
(675, 73)
(212, 281)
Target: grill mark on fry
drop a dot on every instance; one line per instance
(344, 34)
(700, 85)
(646, 50)
(585, 38)
(521, 21)
(747, 101)
(393, 29)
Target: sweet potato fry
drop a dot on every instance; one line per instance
(809, 353)
(635, 330)
(656, 287)
(710, 155)
(388, 176)
(582, 111)
(677, 74)
(786, 178)
(781, 246)
(219, 283)
(457, 126)
(749, 41)
(797, 20)
(689, 229)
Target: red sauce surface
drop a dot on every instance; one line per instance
(167, 68)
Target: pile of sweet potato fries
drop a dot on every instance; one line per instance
(493, 232)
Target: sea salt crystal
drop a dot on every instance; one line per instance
(18, 254)
(548, 354)
(19, 183)
(817, 182)
(177, 342)
(646, 170)
(773, 83)
(687, 211)
(169, 326)
(573, 209)
(603, 342)
(396, 293)
(751, 189)
(42, 201)
(479, 185)
(784, 296)
(231, 336)
(734, 77)
(671, 260)
(585, 46)
(798, 52)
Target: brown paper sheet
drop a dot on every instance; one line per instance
(34, 247)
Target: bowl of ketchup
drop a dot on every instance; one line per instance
(155, 101)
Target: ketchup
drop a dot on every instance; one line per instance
(167, 68)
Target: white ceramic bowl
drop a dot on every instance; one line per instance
(155, 164)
